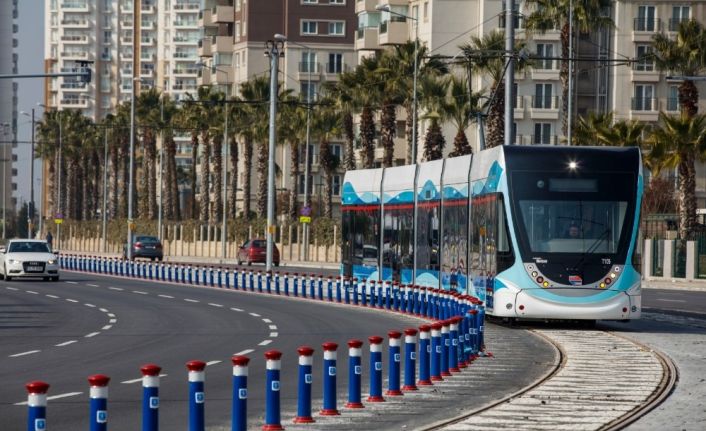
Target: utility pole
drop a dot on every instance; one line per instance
(510, 71)
(105, 189)
(274, 48)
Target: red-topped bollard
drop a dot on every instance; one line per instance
(150, 397)
(240, 393)
(375, 369)
(197, 377)
(98, 395)
(410, 359)
(272, 390)
(355, 370)
(330, 407)
(394, 359)
(37, 403)
(306, 360)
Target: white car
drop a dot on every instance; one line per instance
(28, 258)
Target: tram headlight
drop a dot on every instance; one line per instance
(602, 285)
(534, 273)
(545, 284)
(613, 275)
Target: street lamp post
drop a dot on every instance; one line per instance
(274, 50)
(307, 204)
(105, 190)
(128, 249)
(386, 8)
(30, 215)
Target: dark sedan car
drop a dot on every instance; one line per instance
(146, 246)
(255, 250)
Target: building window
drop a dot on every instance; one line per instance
(426, 11)
(545, 52)
(644, 97)
(645, 20)
(543, 96)
(309, 63)
(309, 27)
(337, 2)
(336, 186)
(679, 15)
(673, 99)
(542, 133)
(645, 59)
(336, 28)
(308, 90)
(310, 1)
(336, 151)
(301, 184)
(335, 63)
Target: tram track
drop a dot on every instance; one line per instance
(575, 394)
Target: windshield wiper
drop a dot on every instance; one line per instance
(591, 248)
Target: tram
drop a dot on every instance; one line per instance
(536, 232)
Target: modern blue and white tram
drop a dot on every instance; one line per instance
(540, 232)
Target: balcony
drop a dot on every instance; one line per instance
(74, 23)
(125, 72)
(74, 39)
(75, 86)
(334, 69)
(649, 25)
(74, 54)
(181, 55)
(147, 25)
(186, 7)
(544, 139)
(365, 6)
(146, 73)
(184, 87)
(544, 108)
(519, 22)
(367, 38)
(148, 56)
(222, 44)
(393, 32)
(185, 23)
(309, 69)
(205, 18)
(75, 6)
(519, 107)
(149, 41)
(75, 102)
(185, 71)
(545, 70)
(205, 49)
(126, 8)
(147, 9)
(126, 24)
(674, 23)
(222, 14)
(185, 40)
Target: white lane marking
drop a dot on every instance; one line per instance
(129, 382)
(670, 300)
(254, 314)
(103, 310)
(30, 352)
(214, 305)
(111, 315)
(139, 292)
(52, 296)
(92, 285)
(264, 343)
(11, 288)
(112, 320)
(106, 327)
(273, 334)
(209, 363)
(273, 327)
(53, 397)
(267, 320)
(66, 343)
(119, 289)
(244, 352)
(236, 309)
(166, 296)
(190, 300)
(92, 334)
(90, 305)
(71, 282)
(32, 292)
(71, 300)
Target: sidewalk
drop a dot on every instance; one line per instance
(675, 283)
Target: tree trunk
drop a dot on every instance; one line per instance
(168, 176)
(143, 175)
(409, 130)
(687, 196)
(367, 136)
(194, 166)
(233, 196)
(461, 146)
(125, 180)
(247, 181)
(262, 169)
(564, 78)
(217, 212)
(294, 174)
(205, 177)
(689, 98)
(350, 139)
(434, 142)
(151, 151)
(328, 165)
(114, 181)
(496, 117)
(387, 130)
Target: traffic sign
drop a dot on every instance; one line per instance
(58, 220)
(59, 216)
(305, 211)
(304, 219)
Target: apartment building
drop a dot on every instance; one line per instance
(8, 105)
(320, 35)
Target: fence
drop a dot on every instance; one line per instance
(448, 346)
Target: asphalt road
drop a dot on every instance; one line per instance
(674, 301)
(86, 324)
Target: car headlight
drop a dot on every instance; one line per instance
(51, 261)
(12, 261)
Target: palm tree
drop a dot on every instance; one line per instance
(550, 14)
(391, 94)
(685, 54)
(190, 118)
(681, 139)
(433, 94)
(588, 128)
(365, 101)
(327, 126)
(292, 128)
(341, 92)
(255, 92)
(170, 186)
(48, 149)
(601, 129)
(148, 111)
(460, 109)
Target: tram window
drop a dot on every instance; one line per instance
(503, 240)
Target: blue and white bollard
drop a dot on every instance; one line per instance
(286, 284)
(445, 347)
(197, 399)
(277, 286)
(380, 296)
(306, 360)
(303, 285)
(346, 289)
(219, 277)
(272, 391)
(410, 359)
(424, 355)
(355, 371)
(98, 394)
(436, 351)
(312, 286)
(239, 418)
(320, 288)
(150, 397)
(364, 293)
(375, 370)
(268, 281)
(354, 290)
(295, 284)
(330, 407)
(329, 289)
(37, 404)
(396, 296)
(393, 368)
(453, 349)
(338, 289)
(388, 293)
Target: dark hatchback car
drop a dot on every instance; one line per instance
(255, 251)
(147, 247)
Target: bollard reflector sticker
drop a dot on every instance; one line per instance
(413, 355)
(331, 371)
(40, 424)
(275, 385)
(468, 337)
(438, 349)
(243, 394)
(397, 357)
(429, 349)
(102, 417)
(154, 402)
(358, 370)
(447, 342)
(308, 379)
(199, 397)
(378, 366)
(454, 342)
